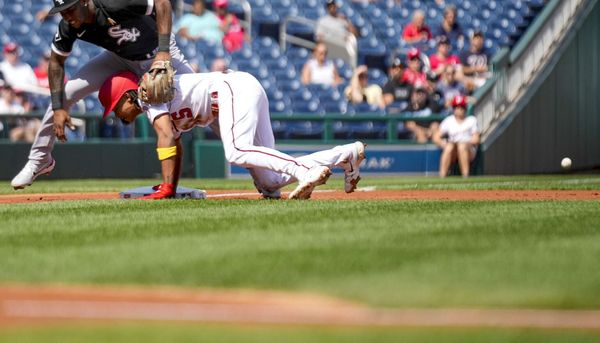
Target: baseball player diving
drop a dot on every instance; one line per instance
(136, 36)
(237, 101)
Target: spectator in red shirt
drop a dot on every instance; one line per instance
(443, 56)
(230, 25)
(416, 31)
(414, 73)
(41, 71)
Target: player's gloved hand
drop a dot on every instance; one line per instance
(165, 190)
(62, 118)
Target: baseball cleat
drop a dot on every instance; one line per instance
(30, 172)
(314, 177)
(352, 173)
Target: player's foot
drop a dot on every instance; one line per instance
(276, 194)
(352, 169)
(314, 177)
(30, 172)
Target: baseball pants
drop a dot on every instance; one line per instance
(248, 140)
(89, 79)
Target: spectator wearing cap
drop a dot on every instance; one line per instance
(229, 24)
(334, 26)
(421, 107)
(396, 91)
(450, 28)
(475, 62)
(416, 31)
(201, 24)
(319, 69)
(360, 91)
(414, 73)
(19, 75)
(443, 57)
(458, 137)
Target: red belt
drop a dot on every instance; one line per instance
(214, 104)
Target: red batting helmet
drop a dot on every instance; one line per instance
(114, 87)
(459, 100)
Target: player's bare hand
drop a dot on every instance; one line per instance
(62, 118)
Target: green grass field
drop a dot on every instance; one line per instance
(389, 254)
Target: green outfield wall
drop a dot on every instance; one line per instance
(561, 114)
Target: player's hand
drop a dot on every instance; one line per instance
(62, 118)
(165, 190)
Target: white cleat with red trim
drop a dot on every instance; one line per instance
(352, 170)
(314, 177)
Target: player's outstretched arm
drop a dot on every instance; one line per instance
(56, 78)
(168, 150)
(164, 23)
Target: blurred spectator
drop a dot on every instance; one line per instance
(416, 31)
(42, 14)
(475, 62)
(41, 70)
(449, 86)
(458, 136)
(24, 129)
(9, 103)
(200, 24)
(442, 56)
(219, 64)
(359, 90)
(21, 129)
(422, 106)
(319, 69)
(17, 74)
(450, 28)
(234, 36)
(414, 73)
(396, 91)
(334, 25)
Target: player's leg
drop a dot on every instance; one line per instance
(86, 81)
(242, 101)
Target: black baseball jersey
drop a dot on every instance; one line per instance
(134, 37)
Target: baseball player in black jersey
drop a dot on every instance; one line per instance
(135, 33)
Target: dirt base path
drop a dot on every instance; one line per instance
(28, 304)
(361, 194)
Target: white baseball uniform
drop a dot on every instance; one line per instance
(459, 132)
(239, 103)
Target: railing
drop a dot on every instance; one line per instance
(513, 70)
(346, 49)
(143, 129)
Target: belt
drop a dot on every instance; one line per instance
(214, 104)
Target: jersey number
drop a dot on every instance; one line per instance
(183, 113)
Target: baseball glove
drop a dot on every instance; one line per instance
(156, 86)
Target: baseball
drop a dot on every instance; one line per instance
(565, 163)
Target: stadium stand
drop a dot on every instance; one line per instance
(380, 24)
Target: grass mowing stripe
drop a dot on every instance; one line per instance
(386, 253)
(552, 182)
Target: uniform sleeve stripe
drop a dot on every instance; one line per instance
(58, 52)
(150, 7)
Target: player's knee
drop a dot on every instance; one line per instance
(234, 156)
